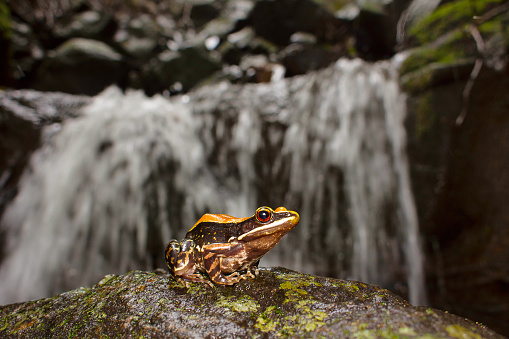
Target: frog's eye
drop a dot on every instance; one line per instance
(263, 214)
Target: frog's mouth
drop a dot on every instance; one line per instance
(282, 226)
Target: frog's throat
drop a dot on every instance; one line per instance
(289, 221)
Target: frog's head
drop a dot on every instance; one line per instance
(265, 228)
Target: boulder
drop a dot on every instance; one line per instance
(140, 37)
(81, 66)
(88, 24)
(279, 302)
(178, 70)
(276, 21)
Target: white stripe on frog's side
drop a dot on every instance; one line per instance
(268, 226)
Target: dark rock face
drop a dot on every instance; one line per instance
(458, 153)
(276, 21)
(277, 303)
(468, 228)
(178, 70)
(81, 66)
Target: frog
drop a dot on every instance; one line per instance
(225, 248)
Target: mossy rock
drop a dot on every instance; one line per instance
(448, 50)
(450, 16)
(279, 302)
(436, 74)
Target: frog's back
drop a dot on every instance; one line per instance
(214, 228)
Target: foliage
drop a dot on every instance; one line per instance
(451, 49)
(333, 5)
(5, 20)
(453, 15)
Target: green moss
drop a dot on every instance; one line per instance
(452, 47)
(349, 286)
(5, 20)
(265, 321)
(406, 331)
(107, 280)
(307, 319)
(448, 16)
(293, 285)
(333, 5)
(196, 288)
(243, 304)
(458, 331)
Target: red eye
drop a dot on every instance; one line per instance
(263, 214)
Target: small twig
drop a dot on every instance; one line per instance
(492, 13)
(479, 42)
(400, 27)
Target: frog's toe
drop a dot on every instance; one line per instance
(249, 274)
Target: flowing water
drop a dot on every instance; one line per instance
(108, 189)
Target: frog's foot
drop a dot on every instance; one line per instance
(248, 274)
(194, 277)
(251, 272)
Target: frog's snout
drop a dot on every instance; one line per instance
(296, 217)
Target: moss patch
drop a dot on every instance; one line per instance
(458, 331)
(452, 15)
(242, 304)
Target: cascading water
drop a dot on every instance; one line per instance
(107, 191)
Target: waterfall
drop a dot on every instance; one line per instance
(109, 188)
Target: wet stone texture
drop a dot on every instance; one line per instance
(279, 302)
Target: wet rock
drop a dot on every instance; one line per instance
(279, 302)
(26, 52)
(179, 70)
(276, 21)
(228, 19)
(375, 35)
(81, 66)
(89, 24)
(140, 37)
(303, 58)
(203, 11)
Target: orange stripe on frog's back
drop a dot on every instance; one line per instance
(219, 219)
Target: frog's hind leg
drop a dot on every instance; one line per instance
(212, 264)
(212, 260)
(185, 268)
(170, 253)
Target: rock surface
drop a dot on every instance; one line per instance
(279, 302)
(458, 153)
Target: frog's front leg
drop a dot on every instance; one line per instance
(182, 262)
(213, 255)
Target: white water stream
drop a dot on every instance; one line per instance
(110, 188)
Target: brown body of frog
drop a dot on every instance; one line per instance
(226, 248)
